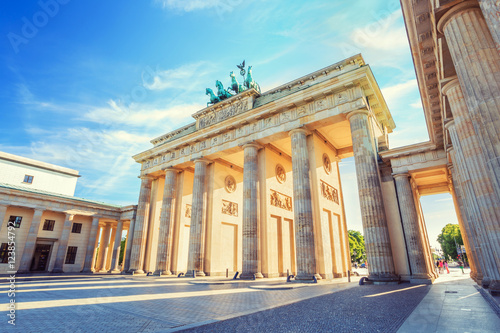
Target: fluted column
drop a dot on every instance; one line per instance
(196, 253)
(377, 242)
(63, 244)
(250, 252)
(467, 145)
(29, 247)
(141, 227)
(491, 12)
(463, 186)
(104, 248)
(302, 210)
(477, 63)
(164, 256)
(456, 194)
(481, 220)
(413, 236)
(116, 248)
(128, 249)
(88, 266)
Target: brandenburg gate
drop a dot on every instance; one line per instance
(253, 184)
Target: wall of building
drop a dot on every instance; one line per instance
(182, 227)
(13, 173)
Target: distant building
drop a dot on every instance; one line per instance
(25, 172)
(51, 229)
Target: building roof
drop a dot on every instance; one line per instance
(38, 164)
(42, 192)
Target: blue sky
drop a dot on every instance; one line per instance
(87, 84)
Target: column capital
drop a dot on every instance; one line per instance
(201, 160)
(449, 124)
(171, 169)
(300, 130)
(70, 216)
(355, 112)
(450, 85)
(455, 10)
(401, 175)
(251, 144)
(149, 177)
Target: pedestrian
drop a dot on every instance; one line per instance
(446, 266)
(440, 267)
(356, 265)
(461, 265)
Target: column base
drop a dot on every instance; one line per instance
(103, 271)
(57, 270)
(494, 287)
(194, 274)
(485, 282)
(116, 271)
(162, 272)
(250, 276)
(384, 278)
(23, 272)
(308, 277)
(87, 271)
(135, 271)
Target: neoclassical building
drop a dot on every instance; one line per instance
(253, 184)
(456, 51)
(52, 230)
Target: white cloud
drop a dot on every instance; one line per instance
(141, 115)
(184, 77)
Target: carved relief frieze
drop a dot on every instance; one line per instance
(229, 208)
(188, 211)
(301, 111)
(214, 116)
(329, 192)
(281, 200)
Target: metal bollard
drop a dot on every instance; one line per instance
(348, 276)
(180, 274)
(227, 272)
(236, 275)
(289, 278)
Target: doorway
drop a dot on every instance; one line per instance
(41, 258)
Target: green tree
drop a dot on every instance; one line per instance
(122, 251)
(357, 246)
(449, 238)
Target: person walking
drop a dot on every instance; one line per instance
(440, 267)
(446, 266)
(461, 265)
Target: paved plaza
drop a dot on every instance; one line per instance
(124, 303)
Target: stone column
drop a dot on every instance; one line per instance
(128, 250)
(3, 212)
(463, 223)
(104, 248)
(302, 210)
(63, 244)
(477, 63)
(141, 227)
(491, 12)
(480, 214)
(29, 247)
(250, 249)
(377, 242)
(195, 256)
(164, 256)
(413, 236)
(116, 248)
(88, 266)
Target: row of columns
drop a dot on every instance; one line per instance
(92, 244)
(474, 97)
(374, 220)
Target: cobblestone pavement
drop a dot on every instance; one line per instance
(124, 303)
(363, 309)
(106, 303)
